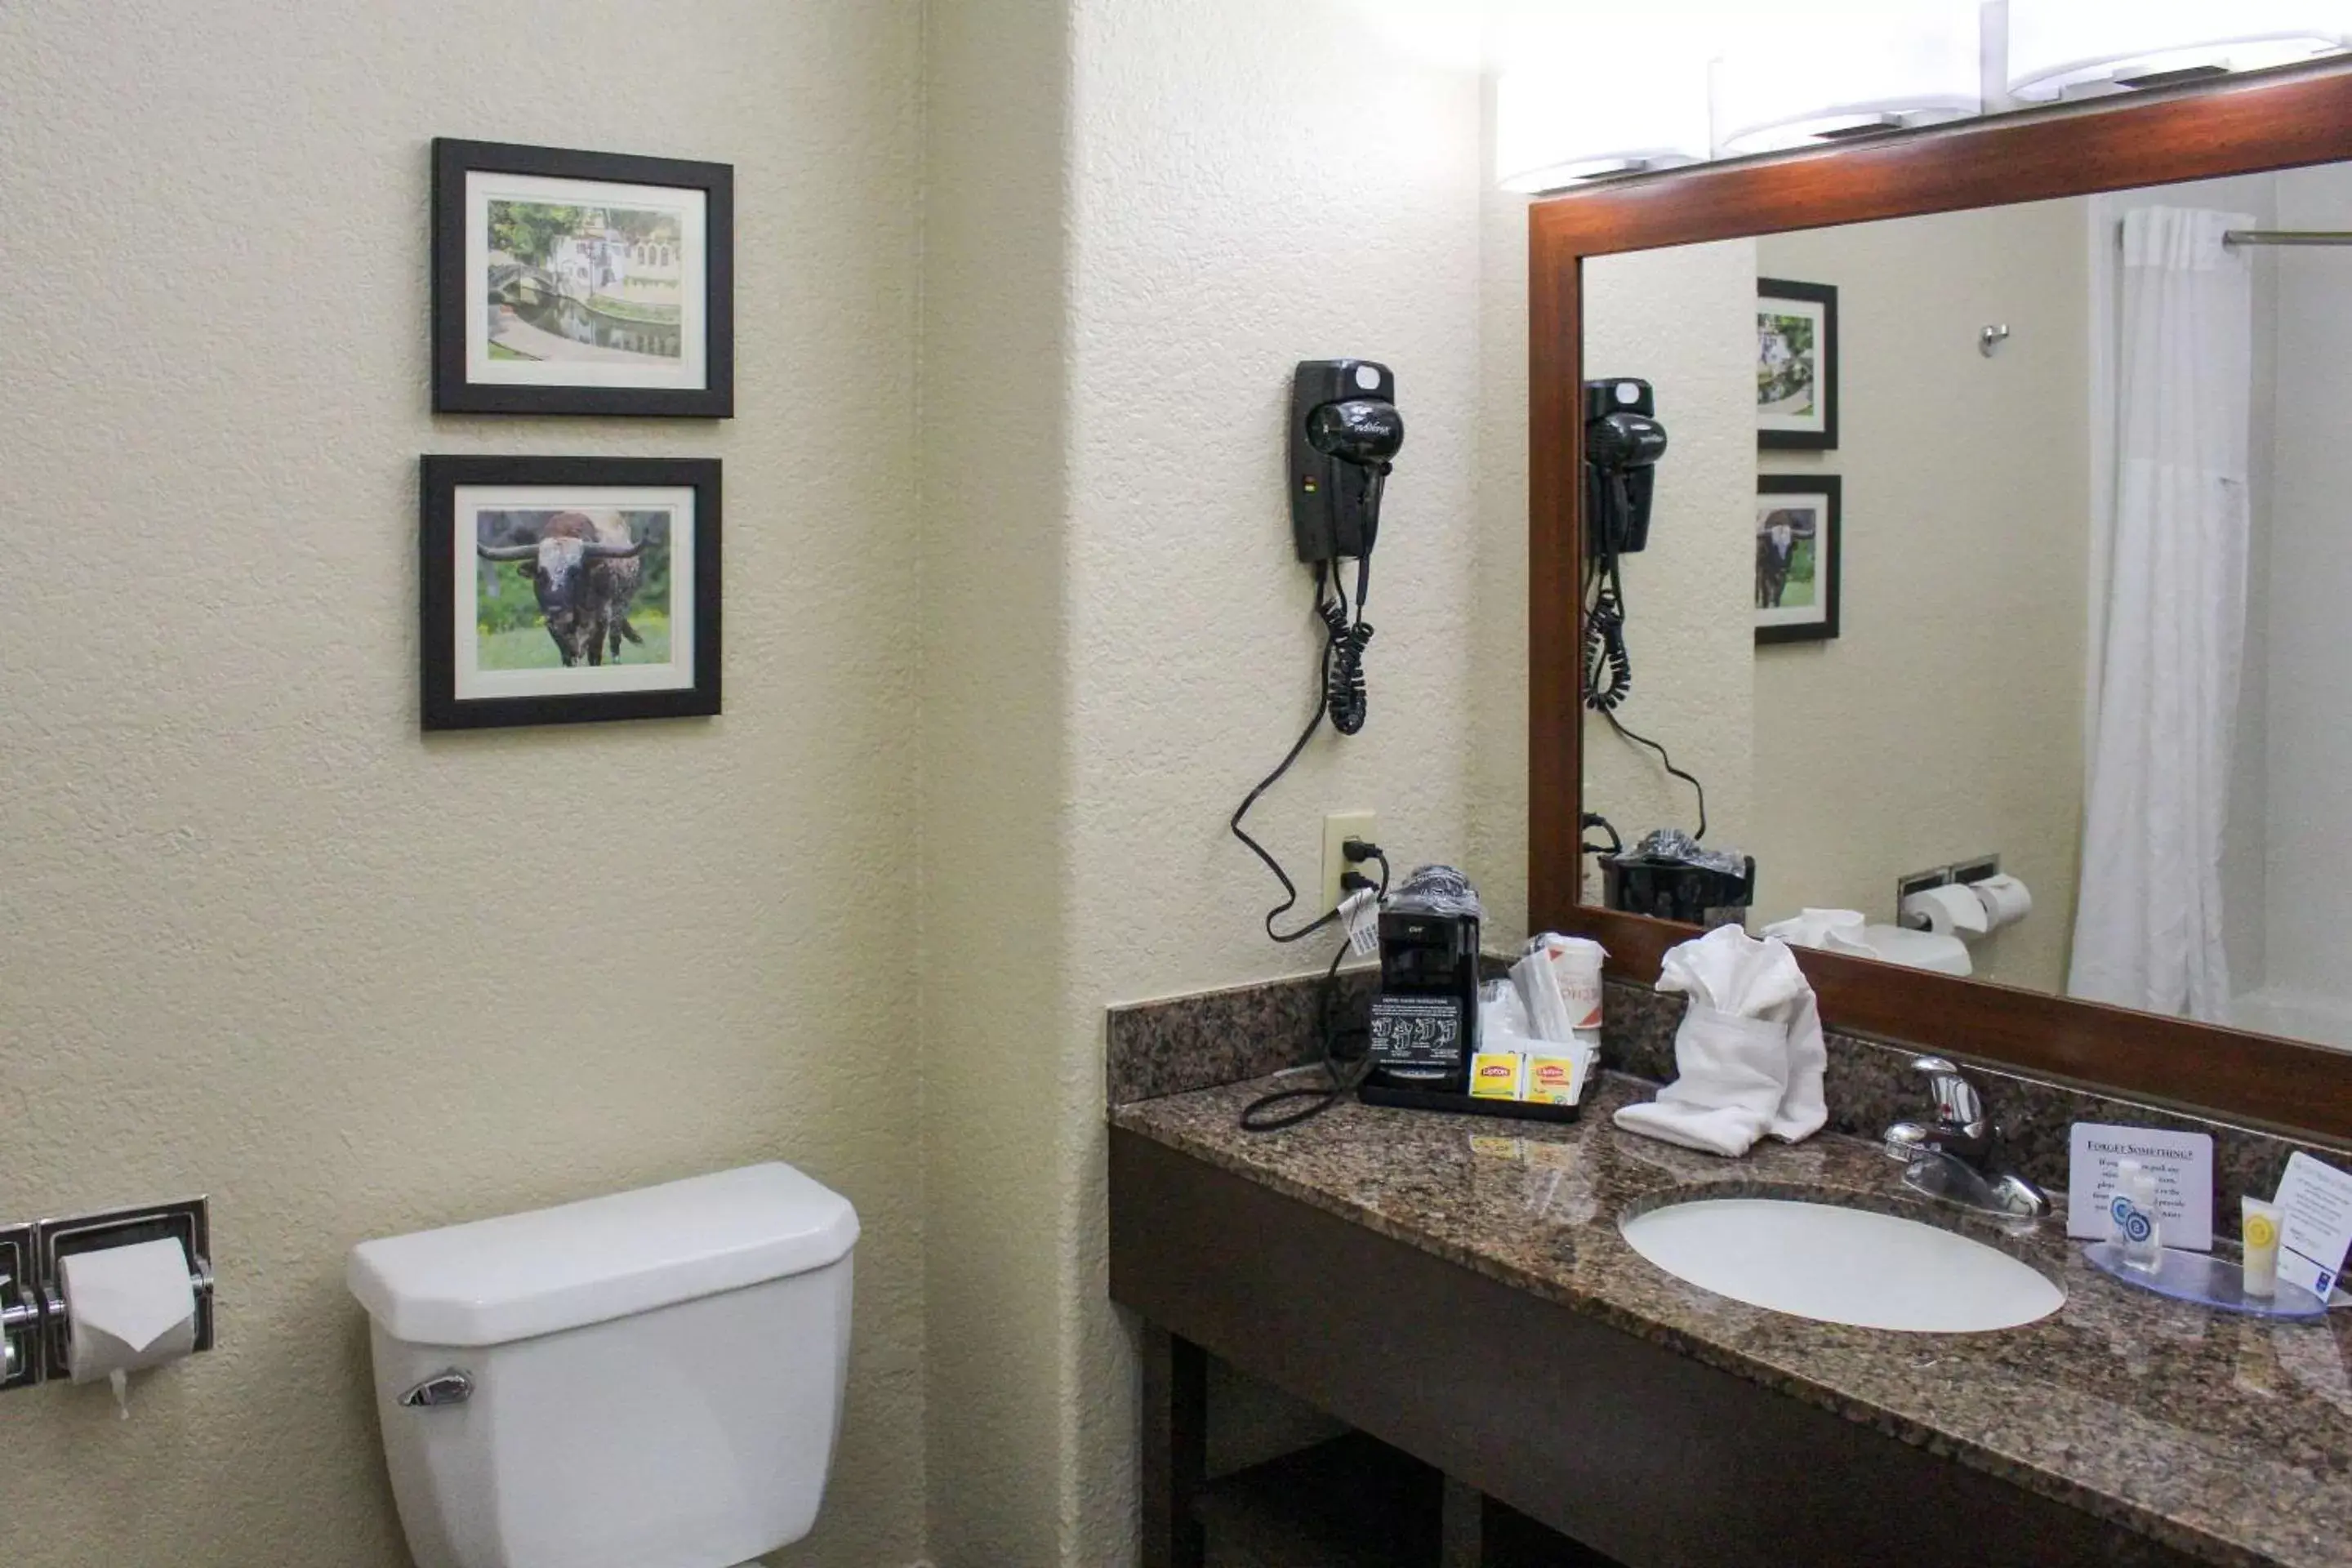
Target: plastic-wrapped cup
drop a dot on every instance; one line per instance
(1576, 964)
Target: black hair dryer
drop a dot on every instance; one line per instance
(1345, 434)
(1623, 444)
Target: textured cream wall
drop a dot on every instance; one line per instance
(262, 941)
(1498, 622)
(1001, 1009)
(2310, 746)
(1946, 719)
(1682, 320)
(1254, 185)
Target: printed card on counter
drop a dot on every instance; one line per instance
(2182, 1163)
(2316, 1223)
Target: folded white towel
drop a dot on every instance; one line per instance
(1749, 1055)
(1804, 1108)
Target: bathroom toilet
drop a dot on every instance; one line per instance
(1846, 931)
(648, 1380)
(1936, 951)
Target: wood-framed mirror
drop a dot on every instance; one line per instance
(1842, 220)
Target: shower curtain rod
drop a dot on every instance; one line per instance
(2314, 236)
(2286, 236)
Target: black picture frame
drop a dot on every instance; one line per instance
(1824, 296)
(443, 476)
(1828, 563)
(455, 393)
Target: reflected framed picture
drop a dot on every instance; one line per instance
(568, 590)
(569, 282)
(1796, 365)
(1800, 537)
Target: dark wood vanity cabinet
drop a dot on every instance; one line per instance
(1635, 1449)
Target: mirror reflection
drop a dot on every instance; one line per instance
(1986, 591)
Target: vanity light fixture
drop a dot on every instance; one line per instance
(1896, 64)
(2072, 48)
(1605, 113)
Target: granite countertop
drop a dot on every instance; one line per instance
(2227, 1437)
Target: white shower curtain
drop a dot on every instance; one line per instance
(2148, 922)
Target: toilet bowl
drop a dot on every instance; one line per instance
(1845, 931)
(1919, 950)
(648, 1380)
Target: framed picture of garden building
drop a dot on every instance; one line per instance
(1796, 365)
(570, 282)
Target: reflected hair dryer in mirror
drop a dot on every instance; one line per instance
(1623, 444)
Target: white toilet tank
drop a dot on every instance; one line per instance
(649, 1379)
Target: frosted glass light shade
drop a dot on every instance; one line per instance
(2055, 45)
(1605, 115)
(1904, 62)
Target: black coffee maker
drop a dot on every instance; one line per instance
(1669, 876)
(1424, 1023)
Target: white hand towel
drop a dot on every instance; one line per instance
(1748, 1056)
(1803, 1109)
(1733, 1074)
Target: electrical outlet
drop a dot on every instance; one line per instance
(1338, 828)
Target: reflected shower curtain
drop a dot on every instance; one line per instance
(2148, 922)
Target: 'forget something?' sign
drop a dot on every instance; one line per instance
(2182, 1163)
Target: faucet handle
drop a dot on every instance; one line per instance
(1958, 1107)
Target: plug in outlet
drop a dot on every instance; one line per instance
(1338, 828)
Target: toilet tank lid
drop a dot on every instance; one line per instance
(522, 1275)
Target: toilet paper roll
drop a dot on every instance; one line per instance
(1946, 911)
(127, 1308)
(2006, 899)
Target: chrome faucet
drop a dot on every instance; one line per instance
(1958, 1156)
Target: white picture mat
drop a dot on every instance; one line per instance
(483, 186)
(1824, 529)
(474, 683)
(1817, 421)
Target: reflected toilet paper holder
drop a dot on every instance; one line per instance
(21, 1364)
(34, 1321)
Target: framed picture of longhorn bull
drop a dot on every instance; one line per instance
(568, 590)
(1800, 540)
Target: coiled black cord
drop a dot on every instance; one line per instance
(1608, 668)
(1342, 701)
(1608, 665)
(1343, 648)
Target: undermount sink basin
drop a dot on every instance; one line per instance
(1841, 1266)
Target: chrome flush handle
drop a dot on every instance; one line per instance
(450, 1387)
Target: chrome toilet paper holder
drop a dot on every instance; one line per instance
(33, 1319)
(21, 1362)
